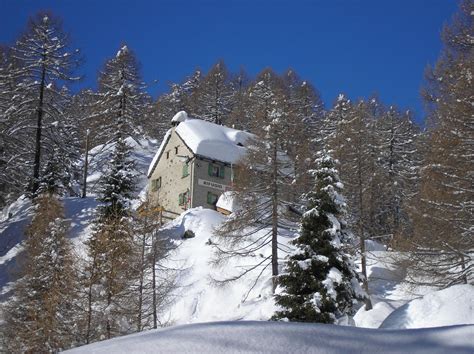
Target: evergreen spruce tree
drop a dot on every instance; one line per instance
(117, 185)
(321, 283)
(41, 316)
(54, 179)
(108, 273)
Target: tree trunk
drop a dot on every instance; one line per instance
(109, 326)
(463, 267)
(365, 280)
(275, 220)
(89, 313)
(89, 303)
(363, 257)
(86, 166)
(140, 286)
(39, 128)
(153, 268)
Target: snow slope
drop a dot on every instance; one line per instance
(79, 211)
(13, 223)
(450, 306)
(387, 288)
(278, 337)
(142, 152)
(198, 298)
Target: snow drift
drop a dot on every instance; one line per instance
(446, 307)
(278, 337)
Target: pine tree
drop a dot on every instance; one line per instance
(353, 144)
(332, 132)
(41, 316)
(400, 160)
(321, 283)
(11, 169)
(213, 96)
(117, 184)
(54, 180)
(443, 215)
(239, 117)
(305, 103)
(107, 274)
(121, 101)
(152, 283)
(180, 97)
(44, 63)
(261, 184)
(305, 113)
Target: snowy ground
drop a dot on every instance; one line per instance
(198, 298)
(450, 306)
(277, 337)
(389, 292)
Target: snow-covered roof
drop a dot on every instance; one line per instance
(213, 141)
(206, 139)
(179, 117)
(227, 201)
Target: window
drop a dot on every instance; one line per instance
(185, 170)
(184, 198)
(216, 170)
(167, 155)
(212, 198)
(176, 150)
(155, 184)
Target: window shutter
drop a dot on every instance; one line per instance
(212, 198)
(221, 171)
(181, 199)
(185, 170)
(156, 184)
(209, 169)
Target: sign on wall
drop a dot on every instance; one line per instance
(210, 184)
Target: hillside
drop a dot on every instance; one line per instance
(198, 298)
(79, 211)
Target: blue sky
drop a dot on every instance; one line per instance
(358, 47)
